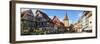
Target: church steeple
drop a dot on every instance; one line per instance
(66, 21)
(66, 17)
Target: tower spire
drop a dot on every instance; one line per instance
(66, 17)
(66, 21)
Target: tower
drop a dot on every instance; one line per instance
(66, 21)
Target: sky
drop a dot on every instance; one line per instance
(73, 15)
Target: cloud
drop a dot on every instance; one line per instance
(78, 16)
(34, 10)
(71, 22)
(22, 10)
(51, 17)
(61, 19)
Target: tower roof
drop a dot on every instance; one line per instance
(66, 17)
